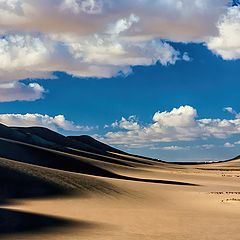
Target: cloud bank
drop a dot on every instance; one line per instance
(16, 91)
(179, 124)
(226, 43)
(28, 120)
(104, 38)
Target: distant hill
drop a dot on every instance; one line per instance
(38, 162)
(89, 141)
(44, 147)
(46, 137)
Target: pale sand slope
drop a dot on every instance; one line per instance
(56, 187)
(141, 210)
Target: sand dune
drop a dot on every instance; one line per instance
(57, 187)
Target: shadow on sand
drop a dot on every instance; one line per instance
(15, 222)
(18, 185)
(167, 182)
(34, 173)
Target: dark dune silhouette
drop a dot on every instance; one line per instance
(58, 160)
(46, 137)
(59, 156)
(48, 158)
(94, 143)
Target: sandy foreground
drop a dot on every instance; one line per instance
(56, 187)
(183, 202)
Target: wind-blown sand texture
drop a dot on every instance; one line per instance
(56, 187)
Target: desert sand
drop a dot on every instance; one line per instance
(56, 187)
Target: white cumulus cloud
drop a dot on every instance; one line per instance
(127, 124)
(229, 145)
(16, 91)
(179, 124)
(232, 111)
(226, 43)
(104, 38)
(174, 148)
(28, 120)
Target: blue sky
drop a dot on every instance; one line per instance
(153, 102)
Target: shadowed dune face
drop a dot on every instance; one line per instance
(19, 185)
(53, 139)
(94, 143)
(24, 181)
(20, 181)
(15, 222)
(63, 161)
(44, 157)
